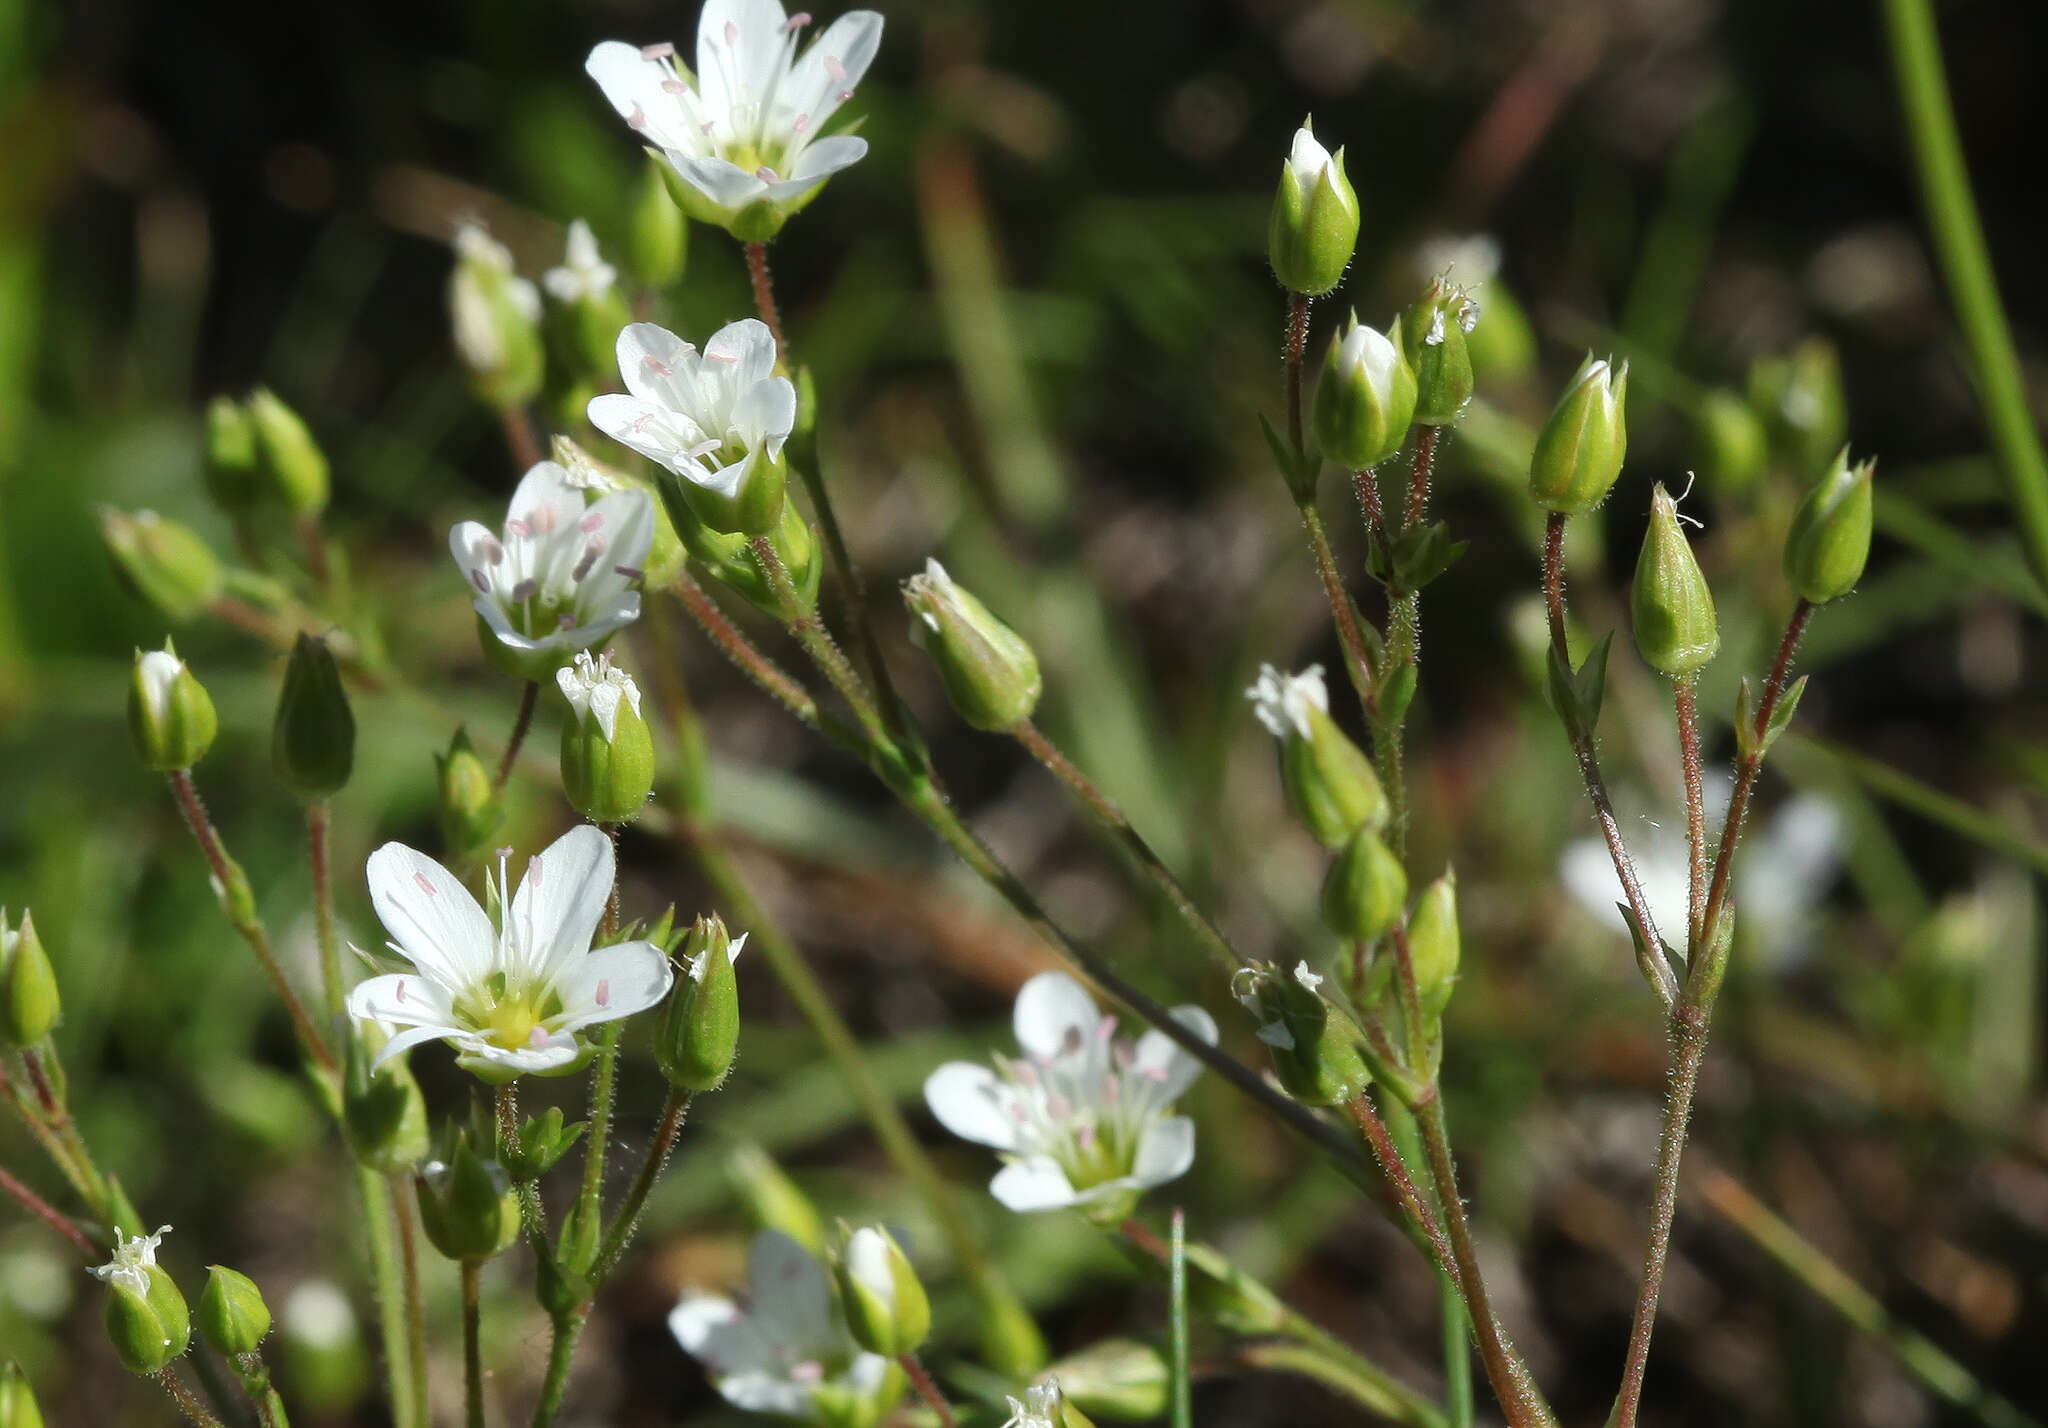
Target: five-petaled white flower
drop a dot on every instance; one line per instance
(563, 576)
(510, 999)
(133, 1259)
(743, 132)
(1282, 701)
(583, 272)
(788, 1351)
(717, 418)
(1085, 1118)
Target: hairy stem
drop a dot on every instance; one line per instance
(928, 1389)
(405, 1361)
(673, 1112)
(323, 907)
(1294, 342)
(529, 700)
(1683, 695)
(403, 1213)
(472, 1344)
(49, 1214)
(1357, 662)
(188, 1403)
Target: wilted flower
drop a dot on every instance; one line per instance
(1085, 1119)
(134, 1257)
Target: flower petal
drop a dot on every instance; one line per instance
(614, 982)
(1054, 1014)
(828, 156)
(723, 182)
(831, 68)
(1035, 1184)
(402, 999)
(1166, 1149)
(650, 359)
(788, 1296)
(546, 498)
(1161, 1059)
(431, 916)
(633, 83)
(765, 414)
(559, 904)
(739, 51)
(972, 1102)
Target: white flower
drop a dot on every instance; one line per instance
(744, 128)
(1084, 1119)
(1309, 161)
(710, 417)
(483, 276)
(512, 998)
(787, 1352)
(1282, 701)
(1041, 1407)
(583, 274)
(562, 577)
(595, 688)
(132, 1261)
(155, 672)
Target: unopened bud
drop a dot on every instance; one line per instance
(1801, 396)
(470, 807)
(232, 1315)
(313, 741)
(29, 1001)
(293, 469)
(1433, 943)
(991, 675)
(170, 713)
(774, 1201)
(162, 562)
(496, 316)
(144, 1314)
(383, 1115)
(885, 1304)
(1734, 447)
(17, 1401)
(1313, 1044)
(1829, 542)
(699, 1031)
(1676, 630)
(607, 748)
(1314, 226)
(1365, 890)
(1433, 332)
(1122, 1379)
(232, 467)
(1580, 449)
(658, 243)
(467, 1204)
(1330, 782)
(1365, 399)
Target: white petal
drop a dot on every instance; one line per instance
(633, 83)
(833, 65)
(697, 1317)
(1166, 1148)
(474, 547)
(1162, 1060)
(739, 50)
(828, 156)
(1034, 1184)
(720, 180)
(746, 349)
(1053, 1010)
(547, 1054)
(545, 487)
(766, 414)
(560, 902)
(971, 1101)
(615, 982)
(431, 916)
(401, 999)
(787, 1294)
(650, 359)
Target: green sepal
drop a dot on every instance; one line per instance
(1748, 743)
(1576, 696)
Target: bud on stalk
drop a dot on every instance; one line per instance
(162, 563)
(607, 748)
(1433, 331)
(885, 1304)
(1829, 542)
(1329, 781)
(1433, 944)
(291, 467)
(467, 1204)
(17, 1400)
(1314, 226)
(232, 1315)
(1675, 626)
(1580, 449)
(1365, 399)
(991, 675)
(1314, 1045)
(170, 713)
(699, 1031)
(496, 318)
(658, 241)
(313, 740)
(470, 807)
(29, 1001)
(1365, 890)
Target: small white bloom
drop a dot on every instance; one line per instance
(1283, 701)
(1309, 980)
(708, 416)
(1039, 1408)
(745, 127)
(1085, 1118)
(155, 672)
(514, 996)
(132, 1261)
(562, 577)
(940, 585)
(595, 688)
(584, 275)
(788, 1347)
(483, 267)
(697, 964)
(1309, 161)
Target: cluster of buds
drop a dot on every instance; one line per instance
(261, 458)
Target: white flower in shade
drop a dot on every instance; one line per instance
(583, 274)
(787, 1352)
(716, 418)
(485, 294)
(563, 576)
(743, 132)
(510, 999)
(1043, 1406)
(1085, 1118)
(133, 1259)
(1282, 701)
(595, 688)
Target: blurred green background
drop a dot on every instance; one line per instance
(1042, 333)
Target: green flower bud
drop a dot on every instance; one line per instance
(1676, 631)
(543, 1140)
(144, 1314)
(1580, 449)
(1735, 449)
(170, 713)
(1433, 943)
(1800, 397)
(293, 469)
(162, 563)
(1330, 782)
(232, 467)
(1314, 1045)
(467, 1204)
(1433, 338)
(29, 1002)
(884, 1302)
(774, 1200)
(1116, 1378)
(313, 740)
(1365, 890)
(658, 242)
(1314, 227)
(17, 1400)
(588, 311)
(991, 675)
(471, 810)
(232, 1315)
(1010, 1340)
(496, 316)
(1365, 399)
(383, 1115)
(728, 560)
(607, 748)
(699, 1031)
(1829, 541)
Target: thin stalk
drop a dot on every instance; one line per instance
(779, 684)
(1404, 646)
(1966, 264)
(1684, 698)
(1420, 473)
(1183, 1412)
(597, 1139)
(568, 1329)
(405, 1362)
(402, 1211)
(817, 642)
(520, 438)
(1454, 1323)
(49, 1120)
(472, 1344)
(1375, 1393)
(1294, 342)
(673, 1112)
(529, 700)
(188, 1403)
(317, 853)
(254, 1376)
(1412, 1201)
(928, 1389)
(1357, 662)
(764, 296)
(532, 1213)
(49, 1214)
(1104, 810)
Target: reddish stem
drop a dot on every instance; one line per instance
(764, 296)
(49, 1214)
(529, 700)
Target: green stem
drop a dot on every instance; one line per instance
(1966, 264)
(568, 1329)
(928, 1389)
(404, 1357)
(1686, 703)
(624, 1222)
(817, 642)
(416, 1398)
(49, 1214)
(186, 1400)
(1357, 661)
(529, 700)
(49, 1120)
(254, 1377)
(323, 907)
(1373, 1391)
(1183, 1412)
(472, 1344)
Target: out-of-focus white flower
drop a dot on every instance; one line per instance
(496, 315)
(787, 1352)
(742, 133)
(133, 1258)
(512, 998)
(1282, 701)
(1043, 1406)
(1085, 1119)
(583, 274)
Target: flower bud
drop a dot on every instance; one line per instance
(1830, 537)
(885, 1304)
(699, 1031)
(1433, 331)
(292, 467)
(232, 1315)
(313, 740)
(1433, 943)
(161, 562)
(383, 1115)
(1364, 399)
(470, 807)
(774, 1201)
(991, 675)
(727, 559)
(658, 241)
(588, 311)
(1734, 447)
(29, 1002)
(1800, 396)
(1330, 782)
(607, 748)
(17, 1400)
(232, 465)
(1116, 1378)
(496, 316)
(1315, 218)
(170, 713)
(1580, 449)
(1365, 890)
(467, 1204)
(1676, 631)
(144, 1314)
(1314, 1045)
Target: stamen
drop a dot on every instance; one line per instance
(657, 52)
(656, 366)
(637, 120)
(483, 586)
(400, 995)
(533, 870)
(591, 553)
(565, 621)
(732, 33)
(843, 95)
(765, 174)
(537, 1038)
(544, 520)
(796, 22)
(591, 522)
(834, 68)
(1105, 1029)
(800, 123)
(524, 590)
(604, 991)
(518, 527)
(425, 886)
(493, 551)
(674, 86)
(630, 572)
